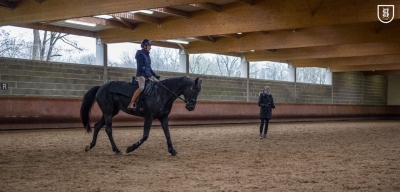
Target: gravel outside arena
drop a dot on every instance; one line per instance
(298, 156)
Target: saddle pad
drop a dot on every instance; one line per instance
(128, 89)
(123, 88)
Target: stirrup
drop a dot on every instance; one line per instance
(133, 108)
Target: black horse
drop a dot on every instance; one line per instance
(157, 104)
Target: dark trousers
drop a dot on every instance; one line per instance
(264, 122)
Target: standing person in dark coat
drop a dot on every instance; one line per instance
(143, 71)
(266, 104)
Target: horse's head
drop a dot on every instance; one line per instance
(192, 94)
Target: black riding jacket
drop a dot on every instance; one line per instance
(144, 64)
(266, 103)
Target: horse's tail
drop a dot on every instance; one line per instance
(87, 103)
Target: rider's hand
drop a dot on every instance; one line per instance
(157, 77)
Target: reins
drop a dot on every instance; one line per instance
(184, 100)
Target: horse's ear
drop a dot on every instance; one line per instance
(196, 81)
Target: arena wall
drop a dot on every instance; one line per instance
(394, 90)
(59, 87)
(41, 112)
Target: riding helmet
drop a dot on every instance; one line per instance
(145, 42)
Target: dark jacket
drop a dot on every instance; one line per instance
(266, 103)
(144, 64)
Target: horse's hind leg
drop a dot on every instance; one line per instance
(108, 121)
(97, 128)
(164, 125)
(147, 125)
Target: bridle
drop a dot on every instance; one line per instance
(184, 100)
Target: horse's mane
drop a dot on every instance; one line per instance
(177, 81)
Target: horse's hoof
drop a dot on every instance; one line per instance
(173, 152)
(129, 149)
(87, 148)
(118, 153)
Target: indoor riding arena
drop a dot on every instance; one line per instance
(297, 156)
(340, 133)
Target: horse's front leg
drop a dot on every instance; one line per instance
(147, 125)
(164, 124)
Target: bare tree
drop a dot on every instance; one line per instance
(128, 59)
(311, 75)
(228, 65)
(44, 48)
(164, 59)
(14, 47)
(199, 64)
(89, 59)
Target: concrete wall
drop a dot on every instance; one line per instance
(29, 78)
(393, 90)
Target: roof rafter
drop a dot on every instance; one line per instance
(58, 29)
(204, 38)
(347, 61)
(7, 4)
(251, 2)
(233, 36)
(208, 6)
(174, 12)
(308, 37)
(125, 22)
(100, 21)
(296, 16)
(351, 50)
(138, 17)
(31, 11)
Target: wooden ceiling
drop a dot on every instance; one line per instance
(344, 35)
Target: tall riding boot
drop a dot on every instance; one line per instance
(132, 105)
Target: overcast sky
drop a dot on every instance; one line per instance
(114, 50)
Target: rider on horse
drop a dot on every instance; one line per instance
(144, 70)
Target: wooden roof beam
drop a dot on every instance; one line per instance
(174, 12)
(233, 36)
(308, 37)
(207, 6)
(138, 17)
(100, 21)
(351, 50)
(205, 38)
(7, 4)
(347, 61)
(53, 28)
(251, 2)
(29, 11)
(296, 15)
(125, 22)
(165, 44)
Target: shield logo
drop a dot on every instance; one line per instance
(385, 13)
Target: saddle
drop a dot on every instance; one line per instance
(128, 88)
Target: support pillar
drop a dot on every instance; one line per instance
(244, 73)
(244, 68)
(292, 73)
(101, 56)
(328, 76)
(183, 62)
